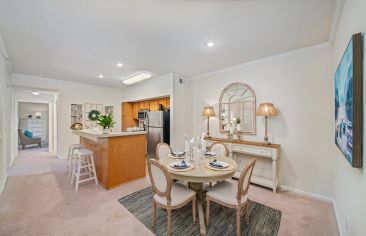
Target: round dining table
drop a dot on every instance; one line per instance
(200, 174)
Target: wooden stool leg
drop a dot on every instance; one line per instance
(78, 174)
(93, 169)
(68, 161)
(73, 170)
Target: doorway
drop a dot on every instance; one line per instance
(33, 126)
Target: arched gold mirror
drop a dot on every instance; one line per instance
(237, 109)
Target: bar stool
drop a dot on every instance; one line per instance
(84, 160)
(71, 156)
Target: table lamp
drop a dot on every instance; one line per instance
(266, 110)
(208, 111)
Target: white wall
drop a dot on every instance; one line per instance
(299, 85)
(182, 107)
(5, 117)
(350, 183)
(69, 93)
(158, 87)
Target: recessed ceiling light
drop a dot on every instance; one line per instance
(210, 44)
(119, 64)
(100, 76)
(137, 78)
(40, 75)
(36, 93)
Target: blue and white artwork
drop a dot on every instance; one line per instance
(343, 82)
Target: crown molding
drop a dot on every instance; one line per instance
(337, 15)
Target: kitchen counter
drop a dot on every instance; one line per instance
(119, 157)
(94, 135)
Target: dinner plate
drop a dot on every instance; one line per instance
(179, 167)
(218, 167)
(177, 154)
(223, 164)
(210, 154)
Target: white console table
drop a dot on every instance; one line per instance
(267, 155)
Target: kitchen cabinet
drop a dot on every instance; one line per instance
(135, 110)
(154, 105)
(163, 101)
(129, 110)
(127, 116)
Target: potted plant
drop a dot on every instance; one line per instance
(106, 121)
(238, 125)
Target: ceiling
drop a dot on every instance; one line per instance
(78, 39)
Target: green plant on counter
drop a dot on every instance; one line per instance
(106, 121)
(238, 120)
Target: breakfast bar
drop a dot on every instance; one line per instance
(119, 157)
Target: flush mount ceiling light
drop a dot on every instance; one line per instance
(100, 76)
(119, 64)
(137, 78)
(210, 44)
(36, 93)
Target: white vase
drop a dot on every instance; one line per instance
(238, 127)
(106, 131)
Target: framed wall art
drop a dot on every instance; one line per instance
(348, 82)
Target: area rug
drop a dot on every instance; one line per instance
(264, 220)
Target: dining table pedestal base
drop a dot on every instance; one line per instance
(198, 188)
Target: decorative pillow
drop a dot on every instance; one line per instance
(28, 133)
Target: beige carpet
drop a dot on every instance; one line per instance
(38, 200)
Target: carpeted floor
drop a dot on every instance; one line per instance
(264, 220)
(38, 200)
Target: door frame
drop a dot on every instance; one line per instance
(52, 123)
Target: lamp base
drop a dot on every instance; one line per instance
(266, 140)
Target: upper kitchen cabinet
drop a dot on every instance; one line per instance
(163, 101)
(154, 105)
(135, 110)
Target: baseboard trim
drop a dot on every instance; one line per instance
(3, 185)
(337, 219)
(12, 161)
(60, 157)
(305, 193)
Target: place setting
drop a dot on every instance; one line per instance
(181, 165)
(178, 154)
(219, 165)
(209, 154)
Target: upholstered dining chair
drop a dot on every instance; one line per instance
(168, 195)
(220, 149)
(163, 149)
(232, 194)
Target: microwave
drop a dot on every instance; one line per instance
(141, 115)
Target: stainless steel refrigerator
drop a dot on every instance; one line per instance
(158, 130)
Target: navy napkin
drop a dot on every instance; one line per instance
(181, 164)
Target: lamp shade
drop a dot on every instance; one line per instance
(266, 109)
(38, 114)
(208, 111)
